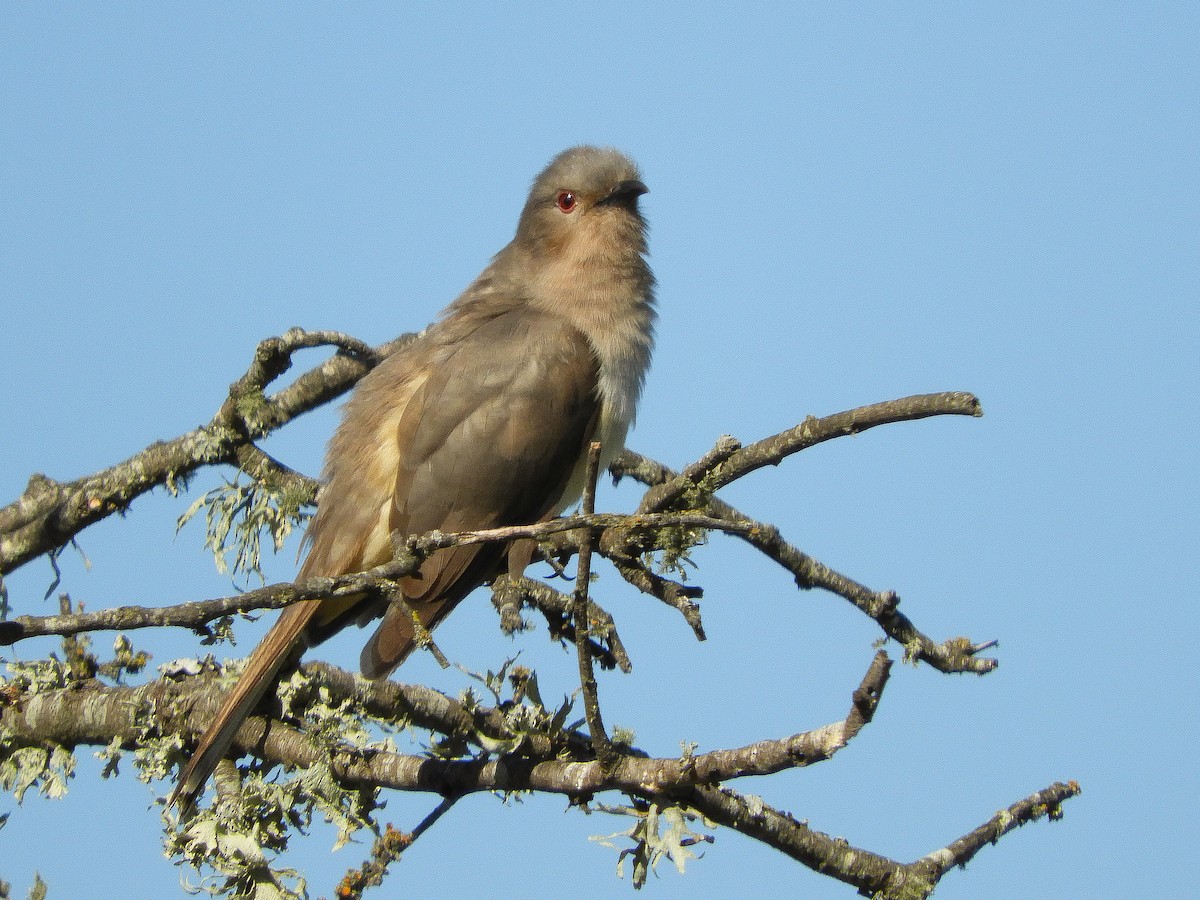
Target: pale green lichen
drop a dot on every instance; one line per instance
(237, 514)
(660, 832)
(47, 769)
(37, 890)
(672, 549)
(237, 839)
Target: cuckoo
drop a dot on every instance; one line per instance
(483, 420)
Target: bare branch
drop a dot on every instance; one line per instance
(953, 655)
(729, 463)
(508, 594)
(273, 357)
(196, 614)
(770, 756)
(680, 597)
(1046, 802)
(873, 875)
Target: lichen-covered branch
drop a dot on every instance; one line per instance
(386, 849)
(89, 713)
(50, 513)
(324, 723)
(874, 875)
(1046, 802)
(509, 594)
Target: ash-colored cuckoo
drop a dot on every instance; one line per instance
(483, 420)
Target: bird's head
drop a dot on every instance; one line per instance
(584, 205)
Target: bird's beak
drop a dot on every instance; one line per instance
(630, 189)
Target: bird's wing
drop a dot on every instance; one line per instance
(490, 439)
(456, 432)
(478, 427)
(459, 432)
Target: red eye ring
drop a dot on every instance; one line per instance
(565, 201)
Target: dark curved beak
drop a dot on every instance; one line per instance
(627, 190)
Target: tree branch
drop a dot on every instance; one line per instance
(539, 754)
(49, 513)
(91, 713)
(1047, 802)
(579, 619)
(386, 849)
(197, 613)
(729, 463)
(508, 594)
(88, 712)
(954, 655)
(381, 578)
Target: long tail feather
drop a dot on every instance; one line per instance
(268, 658)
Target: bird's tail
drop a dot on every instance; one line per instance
(396, 637)
(276, 649)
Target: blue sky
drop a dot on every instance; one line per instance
(848, 204)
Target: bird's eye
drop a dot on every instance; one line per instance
(565, 201)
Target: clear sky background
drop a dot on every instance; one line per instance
(849, 203)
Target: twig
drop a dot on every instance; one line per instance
(1046, 802)
(509, 593)
(579, 616)
(953, 655)
(386, 849)
(198, 613)
(812, 431)
(680, 597)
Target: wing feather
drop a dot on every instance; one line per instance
(502, 424)
(477, 423)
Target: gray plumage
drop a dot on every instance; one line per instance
(482, 421)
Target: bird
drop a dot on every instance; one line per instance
(483, 420)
